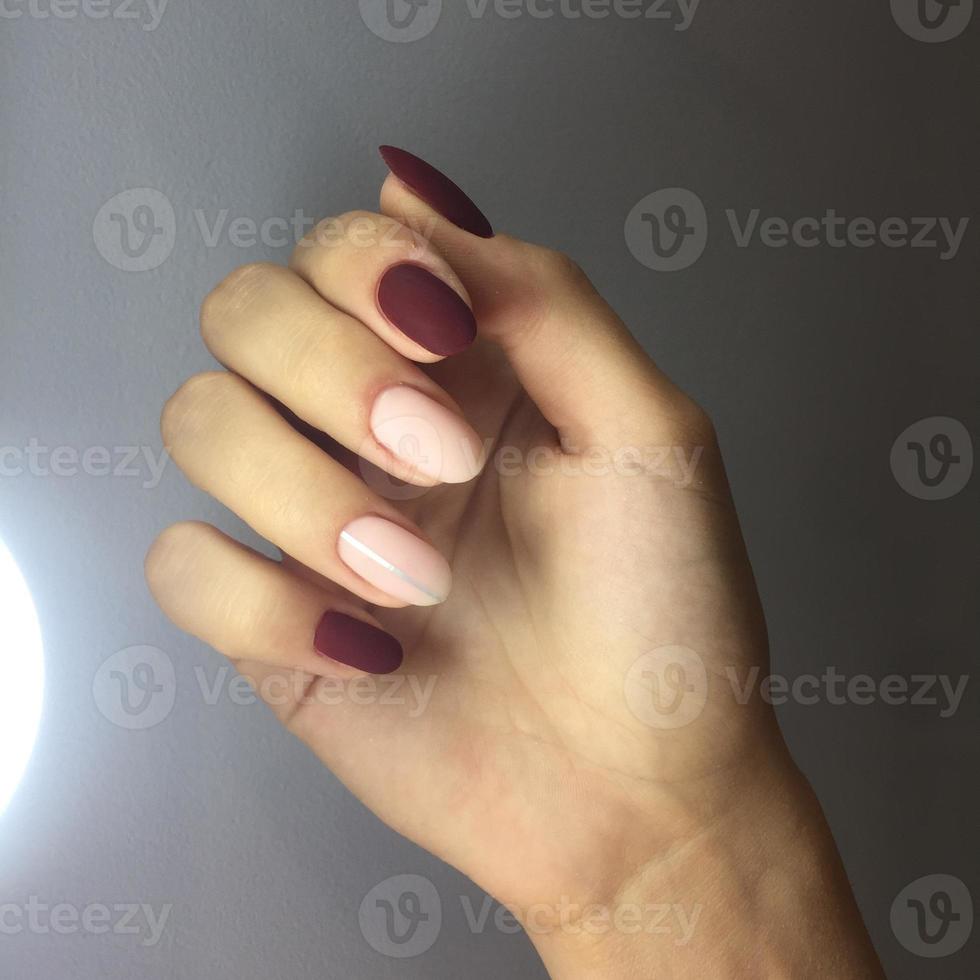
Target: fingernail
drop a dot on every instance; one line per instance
(356, 643)
(395, 561)
(427, 436)
(437, 190)
(426, 309)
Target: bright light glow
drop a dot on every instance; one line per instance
(21, 675)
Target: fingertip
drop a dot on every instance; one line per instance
(437, 190)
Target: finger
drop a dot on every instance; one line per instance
(233, 444)
(574, 356)
(391, 279)
(270, 326)
(308, 656)
(250, 608)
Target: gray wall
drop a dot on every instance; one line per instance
(813, 362)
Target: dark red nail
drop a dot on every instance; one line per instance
(437, 190)
(357, 644)
(424, 308)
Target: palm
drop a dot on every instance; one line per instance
(560, 585)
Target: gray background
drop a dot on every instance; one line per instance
(812, 363)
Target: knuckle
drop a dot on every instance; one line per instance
(233, 294)
(358, 215)
(287, 505)
(559, 266)
(171, 552)
(189, 405)
(356, 231)
(557, 282)
(694, 422)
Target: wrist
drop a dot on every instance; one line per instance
(759, 891)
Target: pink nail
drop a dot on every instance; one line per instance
(395, 561)
(426, 435)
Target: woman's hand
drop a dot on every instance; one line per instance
(575, 740)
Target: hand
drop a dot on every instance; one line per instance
(581, 745)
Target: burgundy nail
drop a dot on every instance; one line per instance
(357, 644)
(437, 190)
(424, 308)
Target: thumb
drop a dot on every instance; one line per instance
(574, 356)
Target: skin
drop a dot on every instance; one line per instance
(531, 768)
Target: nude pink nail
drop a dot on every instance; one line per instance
(426, 435)
(395, 561)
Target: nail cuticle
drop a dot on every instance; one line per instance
(426, 309)
(433, 440)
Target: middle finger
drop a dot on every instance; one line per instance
(267, 324)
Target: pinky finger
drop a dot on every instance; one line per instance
(250, 608)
